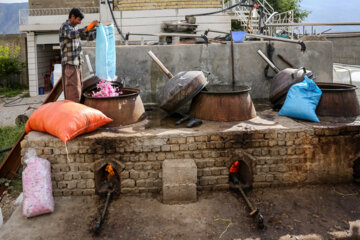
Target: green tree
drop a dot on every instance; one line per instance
(10, 65)
(286, 5)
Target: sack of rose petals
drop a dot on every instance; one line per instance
(37, 188)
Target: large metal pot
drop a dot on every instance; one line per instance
(123, 109)
(181, 88)
(337, 100)
(223, 103)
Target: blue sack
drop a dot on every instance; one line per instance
(302, 100)
(105, 58)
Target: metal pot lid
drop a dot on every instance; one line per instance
(182, 88)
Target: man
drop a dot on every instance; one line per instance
(71, 52)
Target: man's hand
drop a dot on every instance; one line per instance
(93, 24)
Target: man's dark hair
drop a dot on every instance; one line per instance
(77, 13)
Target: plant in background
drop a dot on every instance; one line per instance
(279, 6)
(286, 5)
(10, 66)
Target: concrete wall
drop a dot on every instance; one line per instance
(139, 71)
(13, 41)
(346, 48)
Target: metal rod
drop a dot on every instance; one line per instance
(232, 62)
(312, 24)
(160, 64)
(246, 199)
(272, 38)
(89, 64)
(286, 61)
(254, 212)
(268, 61)
(98, 223)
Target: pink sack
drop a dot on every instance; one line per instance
(37, 188)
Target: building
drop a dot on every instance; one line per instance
(43, 19)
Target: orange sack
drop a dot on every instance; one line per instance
(66, 119)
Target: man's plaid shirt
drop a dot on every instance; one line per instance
(70, 43)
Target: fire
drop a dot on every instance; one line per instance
(109, 169)
(235, 167)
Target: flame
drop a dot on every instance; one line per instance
(235, 167)
(109, 169)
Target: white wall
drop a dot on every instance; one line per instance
(32, 64)
(45, 54)
(149, 21)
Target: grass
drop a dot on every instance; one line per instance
(26, 95)
(8, 137)
(11, 92)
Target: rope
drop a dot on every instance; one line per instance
(67, 154)
(270, 53)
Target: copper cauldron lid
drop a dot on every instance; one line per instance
(181, 88)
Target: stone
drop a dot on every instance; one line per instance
(134, 174)
(127, 183)
(177, 140)
(165, 148)
(90, 183)
(124, 175)
(201, 139)
(179, 193)
(179, 181)
(174, 148)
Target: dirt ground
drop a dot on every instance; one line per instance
(10, 108)
(216, 215)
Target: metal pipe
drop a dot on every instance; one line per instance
(268, 61)
(254, 212)
(302, 44)
(232, 62)
(273, 38)
(160, 64)
(98, 223)
(313, 24)
(246, 199)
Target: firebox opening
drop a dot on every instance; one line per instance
(240, 173)
(107, 180)
(356, 171)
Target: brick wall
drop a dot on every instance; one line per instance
(36, 4)
(275, 158)
(164, 4)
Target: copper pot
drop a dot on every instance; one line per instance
(123, 109)
(223, 103)
(337, 100)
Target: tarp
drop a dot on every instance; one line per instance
(105, 59)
